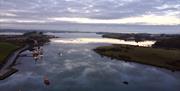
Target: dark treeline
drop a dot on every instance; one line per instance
(168, 43)
(40, 37)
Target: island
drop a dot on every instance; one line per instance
(164, 53)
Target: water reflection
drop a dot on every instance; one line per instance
(81, 69)
(102, 40)
(11, 33)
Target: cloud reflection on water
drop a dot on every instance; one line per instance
(101, 40)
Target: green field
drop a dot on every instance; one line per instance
(169, 59)
(5, 50)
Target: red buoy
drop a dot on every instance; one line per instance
(46, 81)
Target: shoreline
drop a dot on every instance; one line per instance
(7, 69)
(138, 37)
(147, 56)
(28, 40)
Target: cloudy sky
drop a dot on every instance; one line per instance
(31, 13)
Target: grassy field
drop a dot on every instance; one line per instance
(169, 59)
(5, 50)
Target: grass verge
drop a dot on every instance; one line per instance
(164, 58)
(5, 50)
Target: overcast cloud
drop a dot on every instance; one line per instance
(143, 12)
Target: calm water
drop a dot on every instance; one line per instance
(81, 69)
